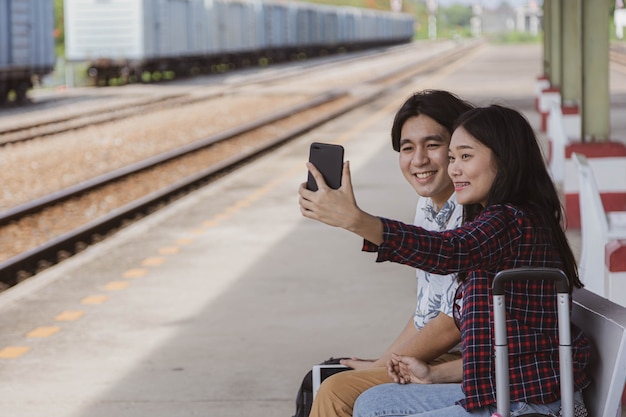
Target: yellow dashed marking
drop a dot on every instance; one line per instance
(243, 203)
(116, 285)
(94, 299)
(169, 250)
(154, 261)
(12, 352)
(256, 195)
(210, 223)
(220, 217)
(232, 209)
(135, 273)
(198, 232)
(43, 331)
(70, 315)
(184, 241)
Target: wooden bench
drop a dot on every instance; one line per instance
(604, 322)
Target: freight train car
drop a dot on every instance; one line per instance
(134, 39)
(26, 45)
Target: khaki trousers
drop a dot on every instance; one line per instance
(337, 394)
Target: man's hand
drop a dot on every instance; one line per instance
(408, 370)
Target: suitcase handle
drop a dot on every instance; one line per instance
(531, 274)
(500, 336)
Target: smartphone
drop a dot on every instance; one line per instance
(328, 159)
(321, 372)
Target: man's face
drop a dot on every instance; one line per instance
(424, 158)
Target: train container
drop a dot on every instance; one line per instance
(174, 20)
(198, 31)
(239, 25)
(127, 38)
(278, 33)
(26, 45)
(348, 26)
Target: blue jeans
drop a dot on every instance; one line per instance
(437, 400)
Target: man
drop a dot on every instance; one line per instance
(421, 134)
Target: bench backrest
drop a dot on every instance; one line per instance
(589, 189)
(604, 322)
(594, 228)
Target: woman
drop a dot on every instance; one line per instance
(513, 219)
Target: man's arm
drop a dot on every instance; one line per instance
(437, 337)
(407, 334)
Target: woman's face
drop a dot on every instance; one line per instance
(472, 168)
(424, 158)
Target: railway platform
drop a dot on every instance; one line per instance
(218, 304)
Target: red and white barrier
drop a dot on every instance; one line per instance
(547, 98)
(542, 83)
(616, 271)
(608, 161)
(571, 121)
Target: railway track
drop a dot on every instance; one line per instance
(33, 129)
(81, 216)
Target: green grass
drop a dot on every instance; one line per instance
(368, 4)
(516, 37)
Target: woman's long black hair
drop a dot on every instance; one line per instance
(522, 178)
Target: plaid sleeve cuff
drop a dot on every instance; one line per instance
(369, 246)
(384, 250)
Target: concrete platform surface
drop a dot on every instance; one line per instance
(219, 304)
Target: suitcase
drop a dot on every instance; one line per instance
(500, 333)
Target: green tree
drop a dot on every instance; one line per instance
(457, 15)
(59, 28)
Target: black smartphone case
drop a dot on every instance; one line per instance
(328, 159)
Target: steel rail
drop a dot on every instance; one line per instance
(69, 192)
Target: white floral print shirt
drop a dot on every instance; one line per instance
(435, 293)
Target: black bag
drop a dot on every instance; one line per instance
(304, 399)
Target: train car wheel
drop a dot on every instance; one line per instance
(21, 91)
(4, 93)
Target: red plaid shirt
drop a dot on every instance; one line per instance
(501, 237)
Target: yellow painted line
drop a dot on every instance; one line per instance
(169, 250)
(210, 223)
(94, 299)
(184, 241)
(46, 331)
(70, 315)
(116, 285)
(259, 193)
(198, 232)
(235, 208)
(243, 203)
(12, 352)
(221, 216)
(153, 261)
(135, 273)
